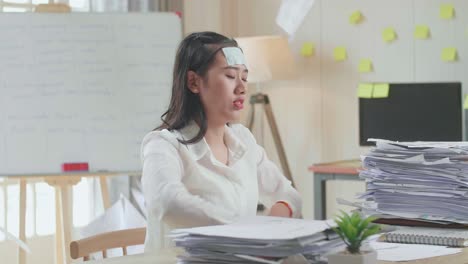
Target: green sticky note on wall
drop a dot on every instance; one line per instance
(446, 11)
(339, 54)
(421, 32)
(381, 90)
(465, 104)
(308, 49)
(449, 54)
(365, 90)
(355, 17)
(388, 34)
(365, 65)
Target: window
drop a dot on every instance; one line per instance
(45, 210)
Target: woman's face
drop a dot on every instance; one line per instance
(222, 90)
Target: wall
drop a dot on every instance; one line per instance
(318, 114)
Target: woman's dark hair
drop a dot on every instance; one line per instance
(195, 53)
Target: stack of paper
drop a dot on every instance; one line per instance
(260, 239)
(417, 180)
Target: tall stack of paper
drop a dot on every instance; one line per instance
(257, 240)
(417, 180)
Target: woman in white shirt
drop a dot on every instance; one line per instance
(199, 168)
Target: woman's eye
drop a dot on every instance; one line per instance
(244, 79)
(230, 76)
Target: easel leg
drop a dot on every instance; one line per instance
(63, 215)
(104, 192)
(251, 117)
(278, 143)
(67, 213)
(59, 256)
(263, 99)
(22, 220)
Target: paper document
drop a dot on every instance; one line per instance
(407, 252)
(121, 215)
(417, 180)
(263, 228)
(291, 14)
(260, 239)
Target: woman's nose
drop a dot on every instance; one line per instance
(242, 87)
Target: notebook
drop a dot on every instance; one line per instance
(430, 236)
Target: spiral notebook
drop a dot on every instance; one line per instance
(430, 236)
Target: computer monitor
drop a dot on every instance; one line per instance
(413, 112)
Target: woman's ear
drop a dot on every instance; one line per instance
(193, 82)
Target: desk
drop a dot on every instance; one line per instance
(340, 170)
(170, 258)
(62, 184)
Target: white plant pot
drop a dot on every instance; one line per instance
(366, 257)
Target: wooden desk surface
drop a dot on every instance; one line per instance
(170, 258)
(337, 167)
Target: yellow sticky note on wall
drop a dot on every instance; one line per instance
(355, 18)
(339, 53)
(365, 90)
(421, 32)
(449, 54)
(465, 104)
(308, 49)
(381, 90)
(388, 34)
(446, 11)
(365, 65)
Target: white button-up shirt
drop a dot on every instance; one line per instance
(186, 186)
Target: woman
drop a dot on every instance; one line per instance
(199, 168)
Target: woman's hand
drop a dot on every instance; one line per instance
(280, 209)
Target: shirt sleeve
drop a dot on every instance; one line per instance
(273, 186)
(166, 196)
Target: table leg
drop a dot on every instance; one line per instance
(320, 195)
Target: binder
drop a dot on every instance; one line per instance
(428, 236)
(418, 223)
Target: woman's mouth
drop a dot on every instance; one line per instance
(238, 104)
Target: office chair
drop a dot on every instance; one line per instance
(102, 242)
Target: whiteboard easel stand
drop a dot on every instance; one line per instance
(62, 184)
(61, 190)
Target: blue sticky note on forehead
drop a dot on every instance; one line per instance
(234, 56)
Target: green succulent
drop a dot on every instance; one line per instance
(353, 230)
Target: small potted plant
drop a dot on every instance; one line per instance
(354, 230)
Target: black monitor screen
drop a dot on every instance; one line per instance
(413, 112)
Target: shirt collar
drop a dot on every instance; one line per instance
(235, 145)
(199, 149)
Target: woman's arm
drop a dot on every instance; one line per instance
(275, 190)
(167, 197)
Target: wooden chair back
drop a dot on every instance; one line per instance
(83, 248)
(52, 8)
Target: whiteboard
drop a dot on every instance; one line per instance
(82, 88)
